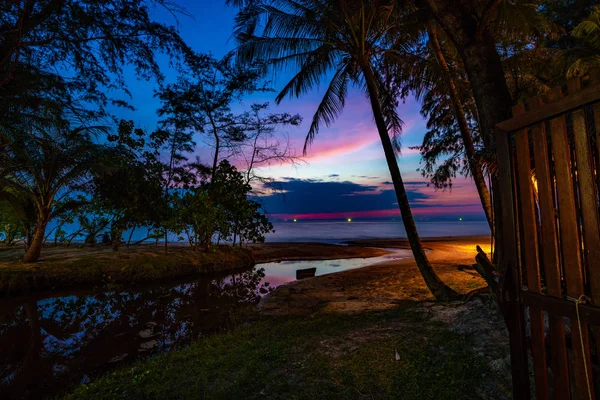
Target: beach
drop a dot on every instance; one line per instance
(381, 286)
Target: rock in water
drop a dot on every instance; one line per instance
(305, 273)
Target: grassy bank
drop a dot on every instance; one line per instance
(326, 357)
(101, 266)
(63, 267)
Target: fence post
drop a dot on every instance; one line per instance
(509, 272)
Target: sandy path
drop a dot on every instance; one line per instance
(380, 286)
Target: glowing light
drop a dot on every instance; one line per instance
(349, 219)
(460, 219)
(294, 219)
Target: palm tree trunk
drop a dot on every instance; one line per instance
(438, 288)
(467, 138)
(476, 46)
(35, 248)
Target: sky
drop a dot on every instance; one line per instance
(344, 174)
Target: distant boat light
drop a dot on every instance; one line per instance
(349, 219)
(460, 219)
(295, 220)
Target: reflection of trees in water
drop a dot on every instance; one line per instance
(54, 342)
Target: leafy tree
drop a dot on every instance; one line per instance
(200, 101)
(44, 166)
(263, 144)
(132, 187)
(586, 57)
(64, 50)
(343, 42)
(219, 207)
(252, 225)
(11, 228)
(198, 217)
(177, 174)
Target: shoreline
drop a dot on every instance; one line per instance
(73, 268)
(79, 268)
(328, 329)
(383, 285)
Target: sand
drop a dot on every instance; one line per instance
(381, 286)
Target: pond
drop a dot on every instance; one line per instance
(52, 341)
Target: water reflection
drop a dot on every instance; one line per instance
(48, 344)
(278, 273)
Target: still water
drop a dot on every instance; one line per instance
(52, 341)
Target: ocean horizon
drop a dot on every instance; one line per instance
(341, 231)
(336, 231)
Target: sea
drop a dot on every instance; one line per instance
(340, 231)
(337, 231)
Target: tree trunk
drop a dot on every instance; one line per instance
(438, 288)
(116, 239)
(467, 138)
(35, 248)
(130, 236)
(471, 35)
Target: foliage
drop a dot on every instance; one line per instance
(201, 99)
(131, 187)
(63, 53)
(586, 57)
(44, 165)
(325, 42)
(11, 228)
(221, 208)
(263, 144)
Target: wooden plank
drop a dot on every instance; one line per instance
(509, 300)
(549, 253)
(529, 249)
(558, 307)
(556, 108)
(596, 109)
(588, 196)
(569, 243)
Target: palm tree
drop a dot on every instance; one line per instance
(43, 166)
(430, 77)
(467, 138)
(585, 57)
(344, 42)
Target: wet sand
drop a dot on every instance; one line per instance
(381, 286)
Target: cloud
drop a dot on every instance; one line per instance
(312, 196)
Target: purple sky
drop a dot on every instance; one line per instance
(345, 174)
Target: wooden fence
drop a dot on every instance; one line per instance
(549, 240)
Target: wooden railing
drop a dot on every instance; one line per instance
(549, 239)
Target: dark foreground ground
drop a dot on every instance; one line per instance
(413, 351)
(369, 333)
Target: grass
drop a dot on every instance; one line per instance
(324, 357)
(77, 267)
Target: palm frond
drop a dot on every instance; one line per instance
(331, 104)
